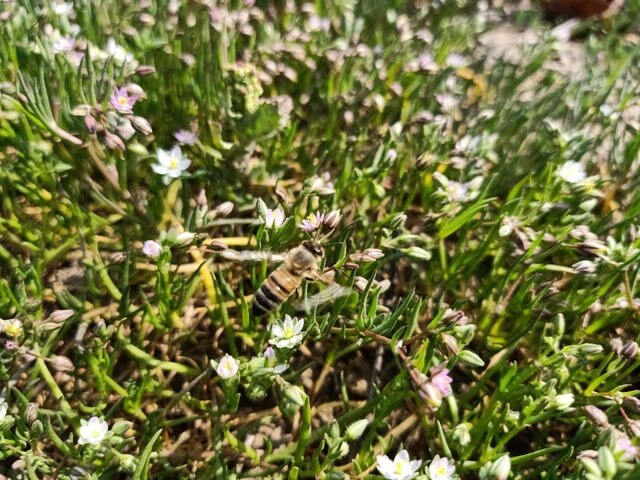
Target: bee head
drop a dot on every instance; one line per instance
(314, 247)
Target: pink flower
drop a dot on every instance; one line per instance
(312, 222)
(186, 137)
(442, 381)
(121, 101)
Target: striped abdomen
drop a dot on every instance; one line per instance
(276, 288)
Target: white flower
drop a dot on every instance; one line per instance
(440, 469)
(458, 191)
(3, 409)
(572, 172)
(274, 218)
(227, 367)
(563, 401)
(321, 185)
(171, 163)
(287, 333)
(400, 468)
(118, 52)
(11, 327)
(93, 431)
(509, 224)
(152, 249)
(62, 9)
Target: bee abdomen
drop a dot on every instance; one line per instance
(276, 289)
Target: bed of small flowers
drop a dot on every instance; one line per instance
(470, 168)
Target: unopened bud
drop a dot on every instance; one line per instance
(201, 199)
(464, 333)
(143, 70)
(591, 467)
(368, 255)
(295, 394)
(500, 469)
(397, 221)
(113, 142)
(584, 266)
(597, 416)
(418, 253)
(607, 462)
(361, 283)
(224, 209)
(142, 125)
(31, 413)
(351, 266)
(471, 358)
(450, 343)
(332, 219)
(461, 435)
(633, 426)
(630, 350)
(631, 402)
(218, 245)
(61, 363)
(356, 429)
(60, 316)
(90, 124)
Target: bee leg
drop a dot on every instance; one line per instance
(326, 277)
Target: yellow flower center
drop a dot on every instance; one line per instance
(173, 163)
(288, 332)
(123, 101)
(441, 471)
(399, 467)
(13, 329)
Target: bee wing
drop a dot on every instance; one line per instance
(251, 256)
(327, 295)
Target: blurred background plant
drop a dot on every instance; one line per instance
(474, 167)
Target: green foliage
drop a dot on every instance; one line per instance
(471, 174)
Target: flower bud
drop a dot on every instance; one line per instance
(607, 462)
(464, 333)
(471, 358)
(144, 70)
(61, 363)
(332, 219)
(630, 350)
(501, 468)
(90, 124)
(59, 316)
(633, 426)
(397, 221)
(224, 209)
(597, 416)
(584, 266)
(356, 429)
(418, 253)
(461, 435)
(113, 142)
(591, 466)
(31, 413)
(564, 401)
(450, 343)
(631, 402)
(141, 124)
(295, 394)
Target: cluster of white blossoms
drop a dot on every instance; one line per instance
(403, 468)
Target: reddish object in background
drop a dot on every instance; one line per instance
(576, 8)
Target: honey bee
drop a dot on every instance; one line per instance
(301, 263)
